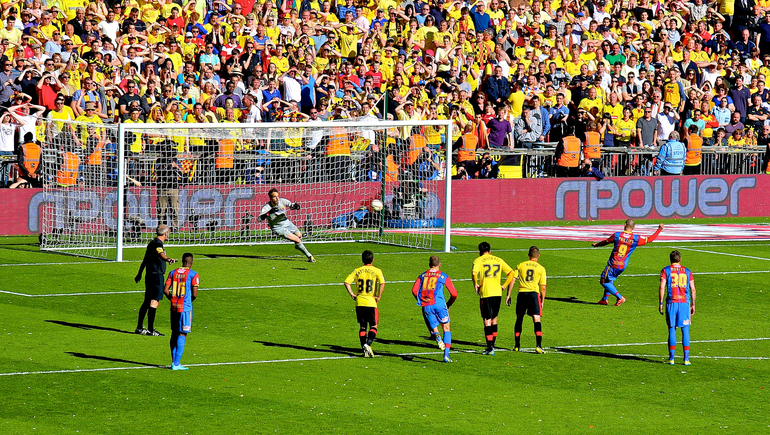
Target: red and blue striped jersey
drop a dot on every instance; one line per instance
(429, 288)
(182, 281)
(624, 245)
(678, 280)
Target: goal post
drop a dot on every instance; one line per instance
(209, 183)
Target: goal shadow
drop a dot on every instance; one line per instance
(117, 360)
(88, 327)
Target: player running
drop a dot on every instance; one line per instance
(677, 289)
(532, 282)
(486, 281)
(275, 213)
(369, 287)
(428, 289)
(624, 242)
(181, 289)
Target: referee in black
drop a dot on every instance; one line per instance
(155, 260)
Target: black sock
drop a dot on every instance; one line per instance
(151, 319)
(142, 313)
(372, 336)
(494, 335)
(488, 336)
(538, 334)
(517, 330)
(362, 335)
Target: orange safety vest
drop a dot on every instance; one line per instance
(416, 144)
(467, 152)
(569, 158)
(68, 173)
(225, 158)
(694, 145)
(31, 153)
(95, 159)
(391, 169)
(339, 145)
(592, 149)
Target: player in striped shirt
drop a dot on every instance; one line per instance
(677, 290)
(181, 289)
(428, 289)
(624, 243)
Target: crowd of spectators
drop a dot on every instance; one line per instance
(508, 75)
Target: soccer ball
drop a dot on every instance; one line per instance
(377, 205)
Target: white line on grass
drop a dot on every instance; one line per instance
(329, 284)
(727, 253)
(330, 358)
(412, 252)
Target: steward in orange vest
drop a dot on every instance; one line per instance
(567, 157)
(30, 159)
(68, 169)
(693, 159)
(592, 148)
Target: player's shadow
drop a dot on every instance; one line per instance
(570, 300)
(605, 355)
(253, 257)
(118, 360)
(329, 348)
(431, 345)
(88, 327)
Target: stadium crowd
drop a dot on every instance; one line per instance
(580, 73)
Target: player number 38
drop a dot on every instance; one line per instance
(367, 285)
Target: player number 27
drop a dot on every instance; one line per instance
(366, 285)
(488, 273)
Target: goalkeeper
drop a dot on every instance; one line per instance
(275, 213)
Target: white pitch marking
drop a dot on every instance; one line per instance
(329, 358)
(725, 340)
(727, 253)
(414, 252)
(329, 284)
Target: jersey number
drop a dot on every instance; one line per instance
(530, 275)
(679, 280)
(365, 285)
(488, 273)
(178, 289)
(429, 284)
(622, 249)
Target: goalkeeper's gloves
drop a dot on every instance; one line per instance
(295, 206)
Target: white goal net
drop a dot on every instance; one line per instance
(106, 188)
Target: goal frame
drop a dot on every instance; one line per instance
(122, 150)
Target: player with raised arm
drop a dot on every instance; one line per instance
(275, 213)
(486, 275)
(369, 287)
(428, 289)
(154, 261)
(677, 290)
(181, 289)
(532, 282)
(624, 243)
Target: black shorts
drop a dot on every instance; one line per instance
(153, 287)
(367, 316)
(490, 307)
(528, 304)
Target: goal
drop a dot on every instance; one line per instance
(106, 188)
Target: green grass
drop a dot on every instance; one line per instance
(263, 304)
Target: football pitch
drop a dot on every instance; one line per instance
(274, 346)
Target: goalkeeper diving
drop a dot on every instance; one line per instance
(275, 213)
